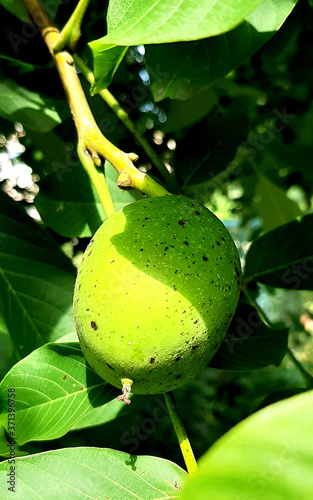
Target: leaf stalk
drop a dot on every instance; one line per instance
(181, 434)
(70, 33)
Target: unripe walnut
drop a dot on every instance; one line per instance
(155, 293)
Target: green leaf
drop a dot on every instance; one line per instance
(105, 63)
(276, 396)
(54, 388)
(5, 446)
(17, 8)
(268, 455)
(181, 70)
(22, 66)
(214, 144)
(181, 114)
(69, 204)
(164, 21)
(111, 411)
(33, 110)
(82, 473)
(283, 257)
(161, 21)
(120, 197)
(55, 153)
(249, 344)
(6, 348)
(272, 204)
(36, 281)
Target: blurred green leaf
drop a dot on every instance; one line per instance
(214, 144)
(32, 109)
(36, 281)
(272, 204)
(163, 21)
(18, 9)
(268, 455)
(295, 155)
(55, 153)
(22, 66)
(93, 473)
(276, 396)
(249, 344)
(69, 204)
(181, 114)
(283, 257)
(7, 356)
(181, 70)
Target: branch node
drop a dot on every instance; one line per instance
(124, 180)
(96, 159)
(133, 157)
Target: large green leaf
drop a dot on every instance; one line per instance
(181, 70)
(80, 473)
(111, 411)
(161, 21)
(54, 387)
(283, 257)
(164, 21)
(269, 455)
(32, 109)
(36, 281)
(55, 390)
(249, 344)
(69, 204)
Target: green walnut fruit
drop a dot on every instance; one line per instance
(155, 293)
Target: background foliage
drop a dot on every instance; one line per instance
(228, 107)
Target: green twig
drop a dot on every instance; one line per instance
(181, 434)
(129, 124)
(70, 34)
(256, 306)
(90, 137)
(97, 179)
(307, 377)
